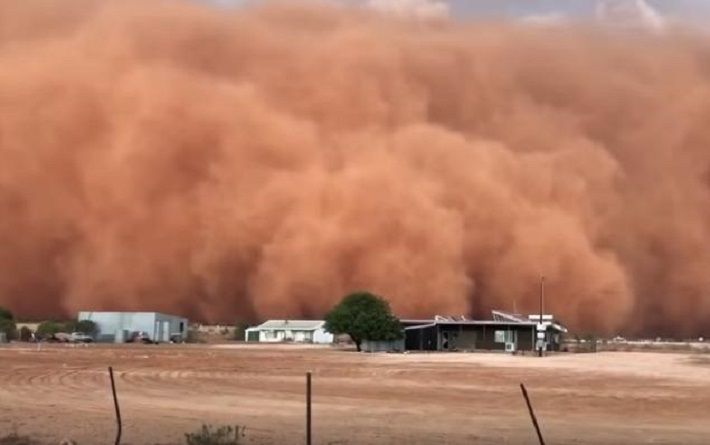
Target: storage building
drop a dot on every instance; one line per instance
(119, 327)
(506, 332)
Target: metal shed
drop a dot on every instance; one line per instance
(506, 332)
(118, 327)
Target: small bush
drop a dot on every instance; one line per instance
(14, 439)
(209, 435)
(8, 328)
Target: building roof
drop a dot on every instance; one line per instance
(431, 323)
(500, 318)
(508, 316)
(121, 313)
(291, 325)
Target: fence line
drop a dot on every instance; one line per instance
(532, 414)
(119, 423)
(309, 436)
(308, 409)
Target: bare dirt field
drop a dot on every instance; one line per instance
(165, 391)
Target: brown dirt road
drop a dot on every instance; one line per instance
(165, 391)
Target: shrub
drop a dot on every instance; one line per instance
(209, 435)
(8, 328)
(14, 439)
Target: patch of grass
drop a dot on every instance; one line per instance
(210, 435)
(14, 439)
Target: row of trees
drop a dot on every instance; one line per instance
(44, 330)
(361, 315)
(49, 328)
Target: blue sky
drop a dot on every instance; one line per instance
(684, 9)
(677, 8)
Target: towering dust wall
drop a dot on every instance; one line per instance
(263, 162)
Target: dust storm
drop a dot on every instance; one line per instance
(263, 161)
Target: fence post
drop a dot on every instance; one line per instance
(115, 404)
(308, 408)
(532, 414)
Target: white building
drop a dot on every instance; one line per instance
(300, 331)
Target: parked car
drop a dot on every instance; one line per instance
(80, 337)
(58, 337)
(177, 338)
(139, 337)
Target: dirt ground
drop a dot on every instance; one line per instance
(606, 398)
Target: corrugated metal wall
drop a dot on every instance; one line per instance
(119, 326)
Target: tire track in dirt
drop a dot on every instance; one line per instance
(172, 389)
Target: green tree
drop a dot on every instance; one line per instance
(5, 314)
(9, 328)
(25, 334)
(7, 324)
(49, 328)
(363, 316)
(240, 328)
(87, 327)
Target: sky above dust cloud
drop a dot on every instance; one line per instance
(261, 162)
(689, 10)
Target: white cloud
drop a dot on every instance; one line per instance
(629, 13)
(411, 8)
(550, 19)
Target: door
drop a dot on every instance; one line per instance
(449, 340)
(166, 331)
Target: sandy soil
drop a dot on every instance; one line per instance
(165, 391)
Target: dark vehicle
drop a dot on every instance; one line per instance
(57, 337)
(177, 338)
(140, 337)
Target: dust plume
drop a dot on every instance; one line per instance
(411, 8)
(262, 162)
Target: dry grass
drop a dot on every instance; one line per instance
(167, 390)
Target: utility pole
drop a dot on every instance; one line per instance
(540, 330)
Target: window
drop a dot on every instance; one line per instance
(503, 336)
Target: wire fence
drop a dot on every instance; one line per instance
(220, 436)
